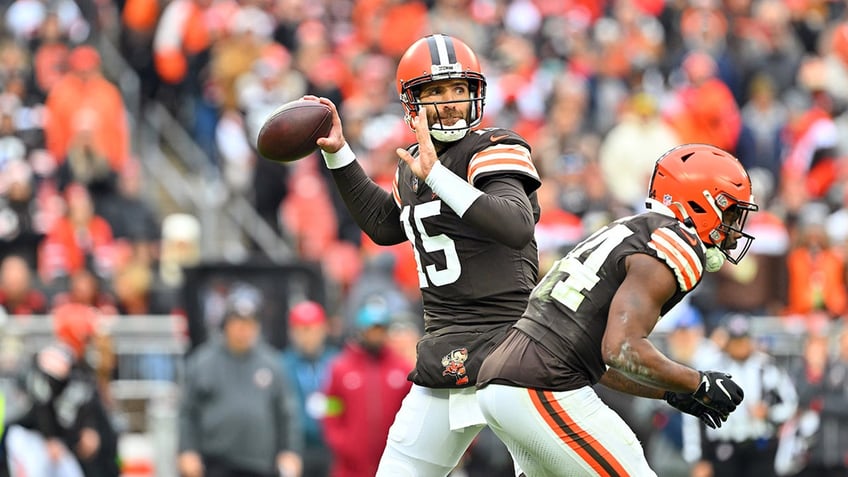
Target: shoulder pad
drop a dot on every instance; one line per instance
(500, 136)
(680, 251)
(499, 151)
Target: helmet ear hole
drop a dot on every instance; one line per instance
(696, 207)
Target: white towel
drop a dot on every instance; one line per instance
(464, 410)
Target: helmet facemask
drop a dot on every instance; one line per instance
(728, 236)
(413, 105)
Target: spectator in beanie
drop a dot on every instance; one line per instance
(238, 412)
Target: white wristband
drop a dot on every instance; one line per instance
(452, 189)
(340, 158)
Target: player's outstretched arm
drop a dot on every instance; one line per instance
(372, 207)
(625, 347)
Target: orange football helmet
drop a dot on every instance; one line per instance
(439, 57)
(708, 189)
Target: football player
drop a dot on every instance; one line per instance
(64, 428)
(589, 318)
(464, 198)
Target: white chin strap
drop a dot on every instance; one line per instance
(450, 134)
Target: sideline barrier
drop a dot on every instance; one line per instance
(149, 352)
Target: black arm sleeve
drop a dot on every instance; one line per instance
(504, 212)
(371, 206)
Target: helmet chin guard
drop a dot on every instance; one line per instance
(449, 133)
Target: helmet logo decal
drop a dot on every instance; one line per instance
(667, 200)
(715, 235)
(436, 70)
(721, 200)
(454, 363)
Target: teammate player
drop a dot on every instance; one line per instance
(464, 199)
(589, 319)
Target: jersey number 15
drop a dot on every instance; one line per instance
(412, 224)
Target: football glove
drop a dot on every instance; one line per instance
(717, 391)
(686, 403)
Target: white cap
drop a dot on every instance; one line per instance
(183, 227)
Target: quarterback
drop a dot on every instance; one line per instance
(464, 198)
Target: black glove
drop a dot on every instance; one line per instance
(717, 391)
(685, 402)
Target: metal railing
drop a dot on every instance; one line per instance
(133, 337)
(196, 185)
(148, 406)
(149, 351)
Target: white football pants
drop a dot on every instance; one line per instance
(431, 432)
(562, 434)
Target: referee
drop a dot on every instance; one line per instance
(746, 445)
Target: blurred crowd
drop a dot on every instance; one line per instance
(600, 89)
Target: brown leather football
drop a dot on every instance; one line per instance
(290, 132)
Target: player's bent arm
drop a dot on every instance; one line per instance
(371, 206)
(634, 312)
(503, 212)
(619, 381)
(500, 210)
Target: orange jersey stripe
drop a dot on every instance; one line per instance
(576, 438)
(497, 161)
(500, 150)
(689, 268)
(395, 192)
(508, 157)
(675, 263)
(687, 253)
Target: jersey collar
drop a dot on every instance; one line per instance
(660, 208)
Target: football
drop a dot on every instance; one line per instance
(290, 132)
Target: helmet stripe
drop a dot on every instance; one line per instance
(441, 50)
(450, 50)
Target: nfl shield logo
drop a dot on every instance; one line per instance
(415, 184)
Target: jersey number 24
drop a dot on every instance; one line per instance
(575, 274)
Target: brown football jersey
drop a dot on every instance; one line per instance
(462, 272)
(559, 343)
